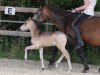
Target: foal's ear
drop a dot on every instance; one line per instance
(40, 8)
(30, 18)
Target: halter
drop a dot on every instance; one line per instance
(37, 22)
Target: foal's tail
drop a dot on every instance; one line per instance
(71, 40)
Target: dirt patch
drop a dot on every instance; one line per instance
(20, 67)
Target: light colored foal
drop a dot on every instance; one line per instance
(46, 39)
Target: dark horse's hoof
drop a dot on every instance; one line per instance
(99, 70)
(51, 66)
(51, 63)
(42, 69)
(84, 71)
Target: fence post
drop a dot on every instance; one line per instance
(47, 27)
(0, 13)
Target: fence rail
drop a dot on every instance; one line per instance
(21, 9)
(15, 33)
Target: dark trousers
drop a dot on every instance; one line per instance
(75, 26)
(79, 19)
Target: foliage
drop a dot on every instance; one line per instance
(66, 4)
(70, 4)
(98, 5)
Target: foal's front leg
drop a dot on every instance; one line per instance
(41, 57)
(26, 49)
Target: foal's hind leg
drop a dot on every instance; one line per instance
(59, 60)
(66, 54)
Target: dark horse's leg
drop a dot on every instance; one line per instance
(54, 54)
(80, 51)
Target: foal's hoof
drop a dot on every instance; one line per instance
(68, 71)
(51, 66)
(51, 63)
(84, 71)
(56, 66)
(42, 69)
(99, 70)
(25, 60)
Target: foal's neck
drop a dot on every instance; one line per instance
(35, 32)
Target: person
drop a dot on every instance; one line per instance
(88, 11)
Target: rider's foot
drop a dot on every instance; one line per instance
(80, 44)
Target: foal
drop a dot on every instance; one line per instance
(45, 39)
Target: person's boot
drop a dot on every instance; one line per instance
(78, 38)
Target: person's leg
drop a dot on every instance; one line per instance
(75, 26)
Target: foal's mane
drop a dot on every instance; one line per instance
(38, 25)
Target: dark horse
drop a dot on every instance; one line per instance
(90, 28)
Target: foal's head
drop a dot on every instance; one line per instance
(29, 25)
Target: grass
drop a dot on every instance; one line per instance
(13, 48)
